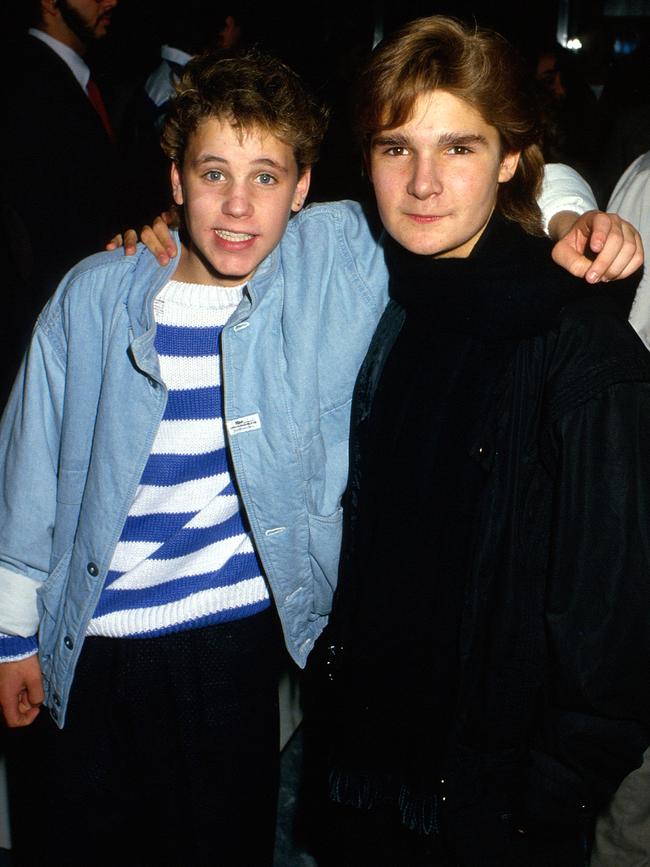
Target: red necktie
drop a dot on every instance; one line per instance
(95, 97)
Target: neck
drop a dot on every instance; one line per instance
(59, 30)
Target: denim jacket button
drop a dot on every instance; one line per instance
(69, 643)
(92, 569)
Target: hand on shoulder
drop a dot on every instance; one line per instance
(596, 245)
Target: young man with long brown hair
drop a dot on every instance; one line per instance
(488, 648)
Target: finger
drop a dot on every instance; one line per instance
(624, 263)
(161, 230)
(115, 242)
(636, 261)
(24, 717)
(613, 243)
(34, 692)
(576, 263)
(130, 242)
(603, 227)
(621, 255)
(15, 717)
(29, 717)
(150, 238)
(24, 704)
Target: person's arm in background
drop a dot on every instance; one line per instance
(631, 201)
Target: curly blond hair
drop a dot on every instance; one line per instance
(251, 89)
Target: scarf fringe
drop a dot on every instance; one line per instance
(419, 812)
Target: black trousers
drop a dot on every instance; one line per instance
(169, 755)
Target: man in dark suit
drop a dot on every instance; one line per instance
(61, 197)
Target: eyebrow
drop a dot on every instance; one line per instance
(261, 162)
(448, 139)
(391, 140)
(463, 138)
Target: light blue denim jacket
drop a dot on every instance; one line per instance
(83, 414)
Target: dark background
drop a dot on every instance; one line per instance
(315, 38)
(308, 34)
(327, 42)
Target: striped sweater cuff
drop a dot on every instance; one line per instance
(14, 647)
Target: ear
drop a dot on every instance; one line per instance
(177, 184)
(300, 193)
(508, 166)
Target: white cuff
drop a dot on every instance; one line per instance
(18, 603)
(564, 189)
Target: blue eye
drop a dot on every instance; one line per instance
(266, 179)
(214, 175)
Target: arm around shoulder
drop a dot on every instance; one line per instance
(589, 243)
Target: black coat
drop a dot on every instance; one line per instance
(551, 705)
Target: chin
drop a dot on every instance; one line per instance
(422, 244)
(425, 249)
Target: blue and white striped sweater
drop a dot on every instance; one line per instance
(185, 557)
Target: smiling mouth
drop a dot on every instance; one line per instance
(233, 236)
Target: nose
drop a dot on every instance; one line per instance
(425, 179)
(237, 201)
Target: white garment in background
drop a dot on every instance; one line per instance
(631, 200)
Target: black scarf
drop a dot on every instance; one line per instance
(507, 288)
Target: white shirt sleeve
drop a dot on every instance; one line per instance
(631, 200)
(564, 189)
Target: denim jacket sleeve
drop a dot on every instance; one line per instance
(29, 449)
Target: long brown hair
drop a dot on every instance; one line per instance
(478, 66)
